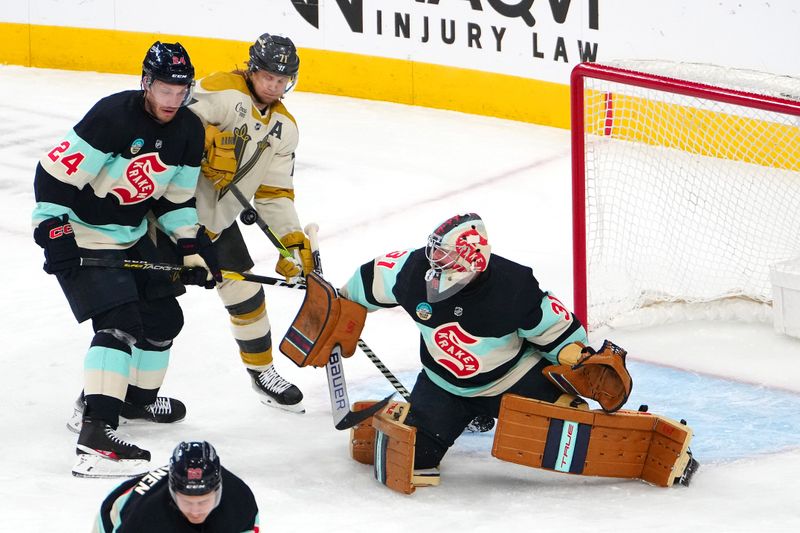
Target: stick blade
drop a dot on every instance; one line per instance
(354, 417)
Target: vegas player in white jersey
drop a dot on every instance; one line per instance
(250, 144)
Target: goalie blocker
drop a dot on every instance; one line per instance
(627, 444)
(324, 320)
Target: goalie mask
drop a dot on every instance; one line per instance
(458, 250)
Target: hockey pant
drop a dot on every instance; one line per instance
(441, 417)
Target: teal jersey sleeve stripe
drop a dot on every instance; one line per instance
(549, 319)
(180, 218)
(45, 210)
(107, 360)
(186, 177)
(353, 290)
(111, 232)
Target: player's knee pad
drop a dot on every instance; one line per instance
(162, 321)
(123, 322)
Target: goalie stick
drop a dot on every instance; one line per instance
(343, 417)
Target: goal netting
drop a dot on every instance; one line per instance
(686, 188)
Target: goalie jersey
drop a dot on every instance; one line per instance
(117, 164)
(264, 149)
(481, 340)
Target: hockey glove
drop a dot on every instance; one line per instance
(302, 263)
(219, 163)
(601, 376)
(200, 252)
(61, 252)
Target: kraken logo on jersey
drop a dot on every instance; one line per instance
(137, 178)
(452, 340)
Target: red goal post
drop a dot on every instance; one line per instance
(684, 191)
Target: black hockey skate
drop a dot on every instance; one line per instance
(692, 466)
(102, 453)
(480, 424)
(276, 391)
(163, 411)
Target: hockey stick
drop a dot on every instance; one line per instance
(343, 417)
(131, 264)
(250, 216)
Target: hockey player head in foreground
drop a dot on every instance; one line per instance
(493, 344)
(167, 80)
(94, 189)
(178, 497)
(248, 170)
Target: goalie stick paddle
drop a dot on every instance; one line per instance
(343, 417)
(131, 264)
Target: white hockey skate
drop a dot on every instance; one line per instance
(275, 391)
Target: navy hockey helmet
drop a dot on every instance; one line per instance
(169, 63)
(457, 251)
(194, 469)
(275, 54)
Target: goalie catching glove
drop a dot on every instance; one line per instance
(325, 319)
(601, 376)
(219, 164)
(301, 264)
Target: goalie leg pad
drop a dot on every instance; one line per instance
(324, 320)
(627, 444)
(362, 436)
(394, 452)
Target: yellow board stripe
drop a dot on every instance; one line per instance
(322, 71)
(698, 131)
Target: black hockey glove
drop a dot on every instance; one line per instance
(61, 252)
(200, 252)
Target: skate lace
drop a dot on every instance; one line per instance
(116, 439)
(273, 381)
(161, 406)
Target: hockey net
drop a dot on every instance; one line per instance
(686, 188)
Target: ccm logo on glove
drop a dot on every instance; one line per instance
(60, 231)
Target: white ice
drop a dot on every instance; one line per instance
(378, 177)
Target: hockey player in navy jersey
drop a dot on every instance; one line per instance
(134, 153)
(486, 328)
(185, 496)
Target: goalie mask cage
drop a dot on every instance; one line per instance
(684, 192)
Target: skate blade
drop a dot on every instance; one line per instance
(75, 423)
(298, 408)
(95, 466)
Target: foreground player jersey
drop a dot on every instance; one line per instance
(117, 164)
(265, 146)
(483, 339)
(144, 504)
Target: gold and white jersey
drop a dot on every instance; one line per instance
(264, 150)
